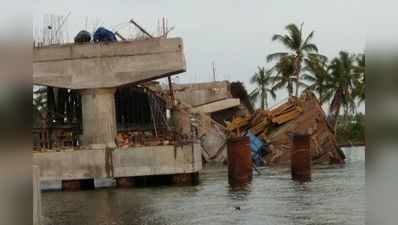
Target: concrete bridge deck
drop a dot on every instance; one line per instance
(107, 65)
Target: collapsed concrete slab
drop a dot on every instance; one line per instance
(310, 120)
(197, 94)
(213, 103)
(275, 127)
(217, 106)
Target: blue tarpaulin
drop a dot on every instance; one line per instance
(257, 147)
(103, 34)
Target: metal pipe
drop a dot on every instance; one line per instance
(140, 28)
(301, 158)
(240, 170)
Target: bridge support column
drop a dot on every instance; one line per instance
(99, 117)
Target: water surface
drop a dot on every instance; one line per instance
(335, 196)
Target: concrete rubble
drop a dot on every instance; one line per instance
(211, 104)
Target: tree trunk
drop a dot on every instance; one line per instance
(263, 96)
(297, 72)
(290, 88)
(320, 96)
(297, 85)
(297, 75)
(336, 115)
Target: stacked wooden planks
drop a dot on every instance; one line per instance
(261, 120)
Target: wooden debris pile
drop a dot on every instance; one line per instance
(275, 126)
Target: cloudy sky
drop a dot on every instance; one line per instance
(235, 34)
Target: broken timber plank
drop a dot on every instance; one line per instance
(259, 117)
(286, 117)
(282, 108)
(260, 127)
(238, 122)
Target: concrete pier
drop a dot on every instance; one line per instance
(99, 120)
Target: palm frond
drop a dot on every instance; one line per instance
(283, 39)
(276, 56)
(310, 48)
(295, 35)
(308, 38)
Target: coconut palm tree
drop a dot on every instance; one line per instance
(360, 82)
(262, 79)
(284, 70)
(298, 46)
(316, 73)
(39, 103)
(340, 86)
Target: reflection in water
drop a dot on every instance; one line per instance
(335, 196)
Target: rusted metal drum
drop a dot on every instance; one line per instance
(239, 161)
(301, 158)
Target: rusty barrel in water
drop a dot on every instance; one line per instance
(301, 158)
(239, 161)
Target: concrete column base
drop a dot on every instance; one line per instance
(99, 118)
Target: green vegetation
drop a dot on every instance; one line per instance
(339, 83)
(351, 130)
(262, 79)
(299, 48)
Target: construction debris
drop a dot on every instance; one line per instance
(211, 104)
(275, 126)
(138, 139)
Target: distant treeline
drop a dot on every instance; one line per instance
(351, 129)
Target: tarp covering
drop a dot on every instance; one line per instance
(103, 34)
(257, 147)
(83, 37)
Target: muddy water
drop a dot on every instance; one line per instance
(336, 196)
